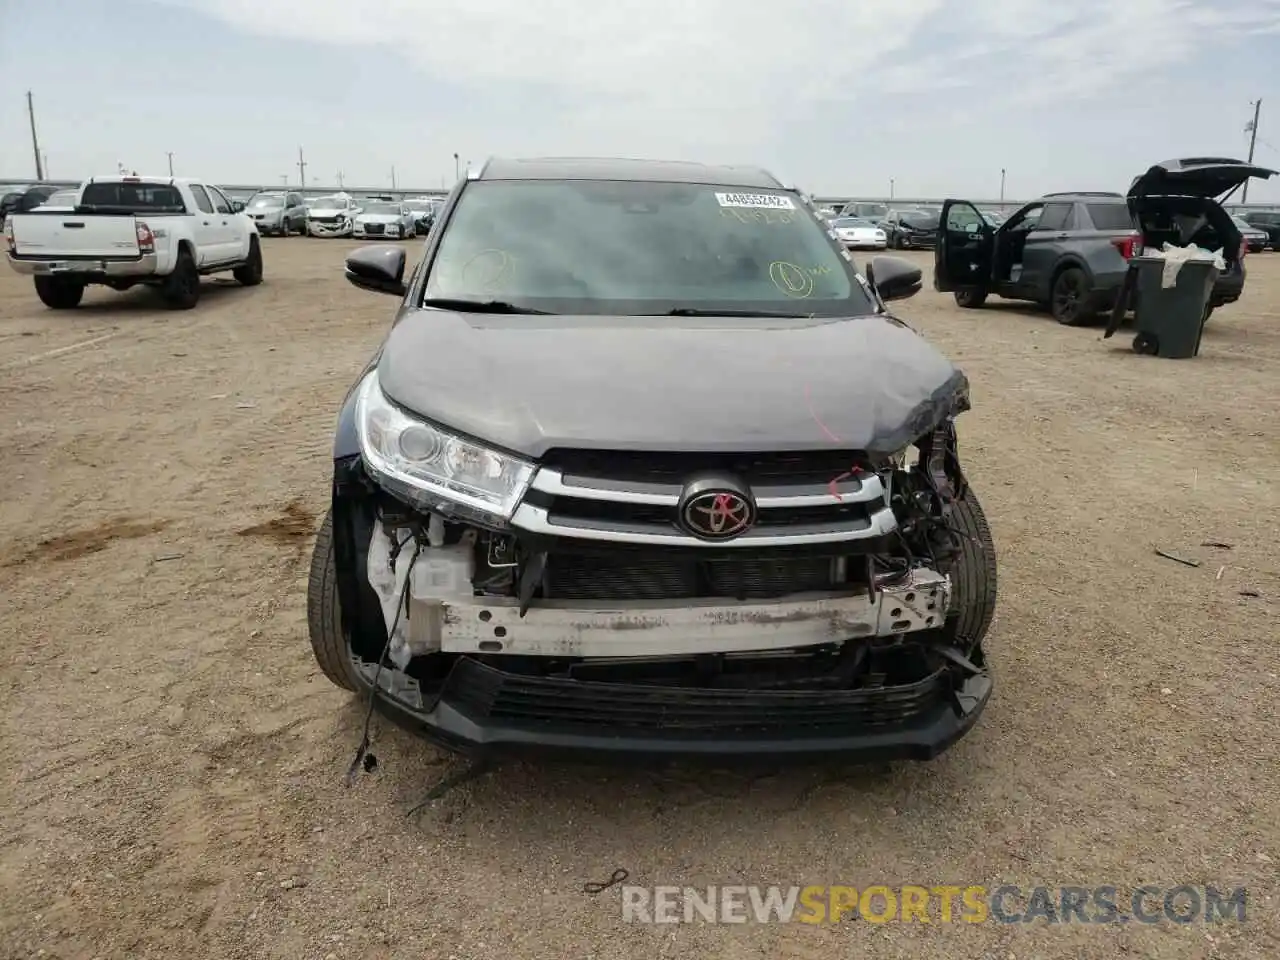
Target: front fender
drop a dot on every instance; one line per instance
(346, 438)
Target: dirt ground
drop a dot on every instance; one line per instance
(173, 762)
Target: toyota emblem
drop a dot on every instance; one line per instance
(716, 510)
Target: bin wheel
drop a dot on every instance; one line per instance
(1146, 343)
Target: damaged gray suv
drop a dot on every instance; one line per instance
(645, 467)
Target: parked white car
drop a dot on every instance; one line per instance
(858, 234)
(123, 231)
(332, 216)
(384, 219)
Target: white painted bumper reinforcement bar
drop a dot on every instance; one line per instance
(444, 616)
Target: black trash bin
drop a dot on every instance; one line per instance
(1169, 321)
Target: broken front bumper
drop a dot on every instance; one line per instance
(481, 709)
(317, 229)
(489, 699)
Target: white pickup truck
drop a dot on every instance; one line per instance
(123, 231)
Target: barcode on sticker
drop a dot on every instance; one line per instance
(757, 201)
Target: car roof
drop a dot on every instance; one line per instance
(1084, 195)
(599, 168)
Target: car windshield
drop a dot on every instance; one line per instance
(60, 199)
(642, 247)
(266, 202)
(920, 218)
(381, 208)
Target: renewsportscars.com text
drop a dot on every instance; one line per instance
(1147, 904)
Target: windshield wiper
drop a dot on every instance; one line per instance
(479, 306)
(699, 312)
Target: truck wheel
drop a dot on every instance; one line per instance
(181, 289)
(973, 575)
(249, 273)
(59, 293)
(1069, 301)
(971, 297)
(324, 615)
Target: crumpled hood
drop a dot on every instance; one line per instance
(329, 211)
(529, 384)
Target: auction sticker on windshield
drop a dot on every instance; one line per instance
(767, 201)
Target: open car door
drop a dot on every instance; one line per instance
(963, 255)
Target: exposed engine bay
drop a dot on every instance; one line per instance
(867, 612)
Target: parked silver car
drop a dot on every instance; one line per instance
(389, 219)
(278, 212)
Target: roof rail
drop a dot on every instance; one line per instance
(1083, 193)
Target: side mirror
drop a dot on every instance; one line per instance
(237, 206)
(894, 278)
(380, 269)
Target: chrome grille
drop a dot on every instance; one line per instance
(801, 500)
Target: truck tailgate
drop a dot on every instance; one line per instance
(70, 236)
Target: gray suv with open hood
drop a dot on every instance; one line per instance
(645, 466)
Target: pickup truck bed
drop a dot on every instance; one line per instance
(75, 236)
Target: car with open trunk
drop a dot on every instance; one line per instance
(1070, 252)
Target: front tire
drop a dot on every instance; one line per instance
(249, 274)
(973, 575)
(59, 293)
(324, 614)
(181, 289)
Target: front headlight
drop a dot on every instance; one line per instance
(433, 469)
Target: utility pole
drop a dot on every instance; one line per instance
(1252, 128)
(339, 179)
(46, 165)
(891, 188)
(302, 170)
(35, 144)
(169, 154)
(1002, 186)
(393, 178)
(284, 179)
(457, 173)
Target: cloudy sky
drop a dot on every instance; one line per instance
(840, 95)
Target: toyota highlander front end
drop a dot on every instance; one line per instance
(658, 529)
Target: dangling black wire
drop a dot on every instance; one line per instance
(363, 749)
